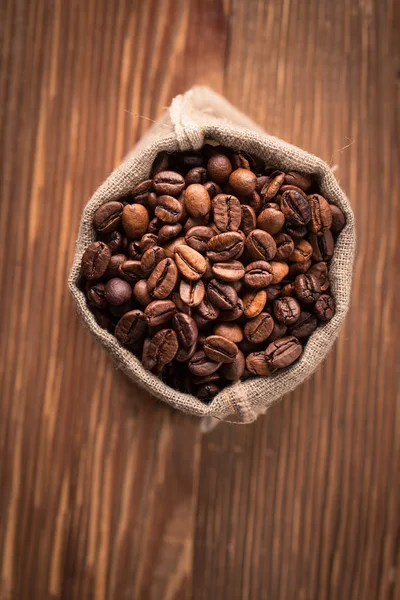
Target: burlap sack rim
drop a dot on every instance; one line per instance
(239, 407)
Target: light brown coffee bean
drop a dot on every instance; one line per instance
(163, 279)
(168, 232)
(230, 331)
(135, 220)
(197, 200)
(151, 258)
(169, 247)
(159, 312)
(190, 262)
(227, 212)
(270, 220)
(261, 245)
(321, 215)
(141, 294)
(168, 209)
(258, 329)
(219, 168)
(254, 303)
(256, 362)
(279, 271)
(243, 182)
(302, 252)
(221, 294)
(258, 274)
(231, 270)
(191, 292)
(169, 183)
(272, 186)
(225, 246)
(249, 219)
(220, 349)
(198, 237)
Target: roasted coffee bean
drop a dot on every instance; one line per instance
(202, 365)
(168, 209)
(220, 349)
(95, 260)
(151, 258)
(284, 246)
(185, 354)
(181, 306)
(279, 271)
(169, 183)
(134, 250)
(338, 219)
(231, 270)
(324, 307)
(169, 247)
(159, 312)
(131, 271)
(290, 188)
(301, 180)
(296, 209)
(307, 288)
(261, 181)
(321, 216)
(320, 270)
(141, 191)
(270, 220)
(207, 391)
(115, 241)
(135, 220)
(299, 268)
(191, 292)
(95, 295)
(233, 371)
(198, 237)
(304, 326)
(207, 310)
(278, 331)
(227, 212)
(163, 279)
(256, 363)
(190, 263)
(273, 291)
(168, 232)
(152, 200)
(225, 246)
(230, 331)
(131, 328)
(302, 252)
(212, 188)
(243, 182)
(221, 294)
(260, 245)
(259, 328)
(272, 185)
(296, 233)
(254, 303)
(258, 274)
(161, 163)
(233, 314)
(147, 241)
(286, 310)
(219, 168)
(117, 291)
(255, 202)
(196, 175)
(186, 329)
(107, 217)
(283, 352)
(201, 221)
(141, 294)
(322, 245)
(249, 219)
(197, 201)
(115, 261)
(161, 350)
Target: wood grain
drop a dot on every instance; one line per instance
(104, 492)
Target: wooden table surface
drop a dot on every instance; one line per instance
(106, 493)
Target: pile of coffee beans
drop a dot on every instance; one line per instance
(214, 269)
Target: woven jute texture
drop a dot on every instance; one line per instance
(198, 115)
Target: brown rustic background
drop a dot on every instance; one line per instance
(104, 492)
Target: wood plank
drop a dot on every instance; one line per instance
(106, 493)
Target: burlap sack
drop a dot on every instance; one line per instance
(192, 118)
